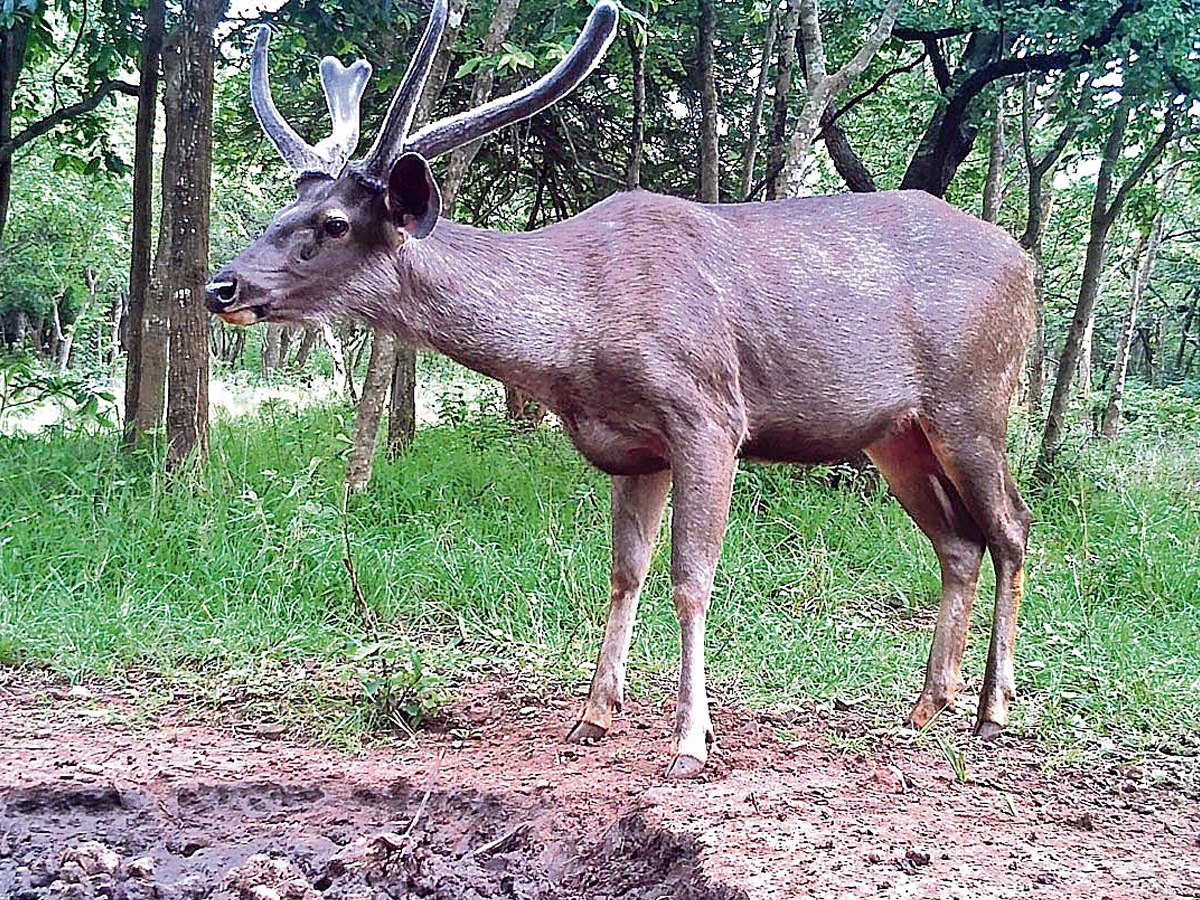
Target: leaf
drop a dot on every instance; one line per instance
(468, 67)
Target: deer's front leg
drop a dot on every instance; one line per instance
(703, 481)
(637, 508)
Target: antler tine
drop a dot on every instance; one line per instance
(343, 88)
(300, 155)
(394, 130)
(463, 128)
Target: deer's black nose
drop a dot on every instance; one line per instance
(220, 292)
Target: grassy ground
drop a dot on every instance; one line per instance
(485, 551)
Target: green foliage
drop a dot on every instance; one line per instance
(390, 684)
(1164, 413)
(25, 386)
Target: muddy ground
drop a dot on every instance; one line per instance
(96, 801)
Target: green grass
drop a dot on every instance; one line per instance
(488, 551)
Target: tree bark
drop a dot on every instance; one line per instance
(710, 163)
(272, 346)
(370, 410)
(14, 43)
(783, 89)
(845, 160)
(143, 214)
(637, 132)
(750, 154)
(439, 69)
(948, 139)
(823, 87)
(1185, 330)
(1040, 204)
(481, 90)
(1104, 214)
(188, 104)
(402, 418)
(993, 184)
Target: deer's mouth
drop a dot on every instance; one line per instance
(246, 315)
(240, 317)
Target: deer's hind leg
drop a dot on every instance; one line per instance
(637, 509)
(920, 483)
(976, 464)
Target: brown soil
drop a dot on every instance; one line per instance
(494, 804)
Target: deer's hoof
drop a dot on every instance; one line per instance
(585, 733)
(926, 709)
(684, 766)
(987, 730)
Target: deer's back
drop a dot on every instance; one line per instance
(823, 320)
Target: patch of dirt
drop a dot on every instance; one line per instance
(93, 804)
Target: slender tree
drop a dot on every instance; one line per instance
(143, 213)
(1039, 204)
(993, 182)
(1141, 268)
(710, 158)
(636, 40)
(1107, 205)
(750, 152)
(822, 86)
(783, 90)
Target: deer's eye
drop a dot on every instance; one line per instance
(336, 227)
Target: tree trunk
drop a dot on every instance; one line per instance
(337, 355)
(402, 420)
(1185, 330)
(845, 160)
(993, 185)
(637, 132)
(710, 164)
(439, 69)
(188, 103)
(1104, 214)
(143, 217)
(947, 141)
(823, 87)
(1083, 371)
(481, 90)
(783, 88)
(304, 349)
(271, 348)
(13, 44)
(750, 154)
(370, 410)
(1143, 267)
(1040, 204)
(67, 337)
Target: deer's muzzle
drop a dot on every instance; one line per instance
(221, 294)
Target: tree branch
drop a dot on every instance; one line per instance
(908, 33)
(40, 127)
(1037, 62)
(875, 86)
(1139, 171)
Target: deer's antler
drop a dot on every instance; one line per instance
(343, 87)
(589, 49)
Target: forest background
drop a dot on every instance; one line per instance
(289, 549)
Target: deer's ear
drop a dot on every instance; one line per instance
(413, 199)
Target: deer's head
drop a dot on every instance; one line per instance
(349, 219)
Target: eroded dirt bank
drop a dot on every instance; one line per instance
(495, 805)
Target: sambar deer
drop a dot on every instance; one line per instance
(672, 338)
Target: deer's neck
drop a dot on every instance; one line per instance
(498, 303)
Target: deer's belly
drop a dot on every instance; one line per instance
(617, 448)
